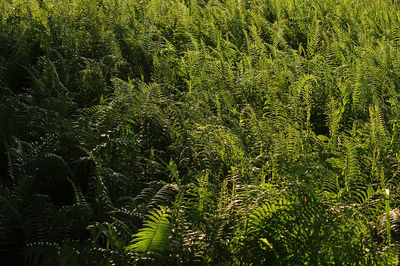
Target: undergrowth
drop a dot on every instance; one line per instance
(223, 132)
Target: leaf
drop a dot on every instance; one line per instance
(154, 236)
(267, 242)
(323, 137)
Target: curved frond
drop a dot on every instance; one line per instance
(154, 236)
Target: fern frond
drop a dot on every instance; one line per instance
(163, 197)
(41, 253)
(352, 166)
(154, 236)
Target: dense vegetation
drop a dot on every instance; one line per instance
(221, 132)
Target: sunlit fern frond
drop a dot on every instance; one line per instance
(154, 236)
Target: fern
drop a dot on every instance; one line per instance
(154, 236)
(41, 253)
(163, 197)
(279, 121)
(352, 170)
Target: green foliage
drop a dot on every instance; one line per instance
(211, 132)
(306, 232)
(153, 237)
